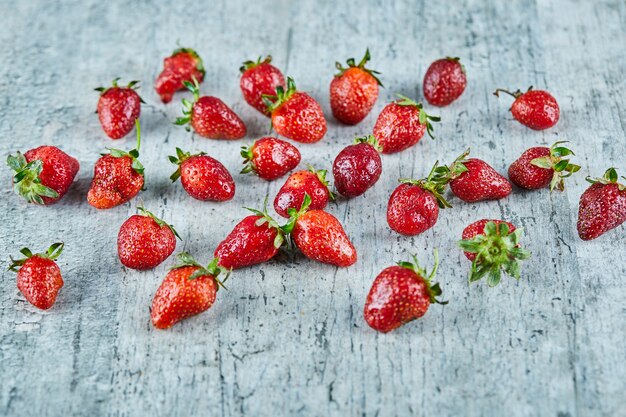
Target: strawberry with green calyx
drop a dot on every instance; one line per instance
(540, 167)
(536, 109)
(258, 79)
(299, 184)
(118, 108)
(204, 178)
(270, 158)
(183, 65)
(602, 206)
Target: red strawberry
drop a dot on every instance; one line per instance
(353, 92)
(602, 206)
(183, 65)
(296, 115)
(402, 124)
(444, 81)
(493, 246)
(474, 180)
(300, 183)
(536, 109)
(43, 175)
(187, 290)
(401, 294)
(541, 166)
(144, 241)
(118, 108)
(270, 158)
(203, 177)
(38, 276)
(357, 167)
(258, 79)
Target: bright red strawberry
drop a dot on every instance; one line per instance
(144, 241)
(353, 92)
(478, 228)
(296, 115)
(183, 65)
(118, 108)
(258, 79)
(444, 81)
(402, 124)
(401, 294)
(187, 290)
(536, 109)
(38, 276)
(203, 177)
(540, 167)
(43, 175)
(270, 158)
(474, 180)
(301, 183)
(357, 167)
(602, 206)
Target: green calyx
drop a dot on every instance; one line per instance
(458, 61)
(274, 101)
(555, 161)
(52, 253)
(158, 221)
(253, 64)
(445, 174)
(133, 85)
(434, 290)
(188, 105)
(181, 156)
(248, 155)
(194, 54)
(212, 269)
(435, 184)
(321, 176)
(370, 140)
(26, 181)
(361, 65)
(294, 214)
(424, 118)
(515, 94)
(271, 223)
(610, 177)
(132, 154)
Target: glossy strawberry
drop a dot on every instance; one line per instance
(478, 228)
(540, 167)
(270, 158)
(444, 81)
(536, 109)
(602, 206)
(183, 65)
(203, 177)
(258, 79)
(357, 167)
(118, 108)
(300, 183)
(474, 180)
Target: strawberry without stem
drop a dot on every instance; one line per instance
(540, 166)
(258, 79)
(270, 158)
(299, 184)
(536, 109)
(444, 81)
(118, 108)
(183, 65)
(602, 206)
(357, 167)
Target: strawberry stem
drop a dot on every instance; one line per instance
(27, 181)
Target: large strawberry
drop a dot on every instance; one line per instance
(444, 81)
(118, 108)
(183, 65)
(357, 167)
(204, 178)
(312, 183)
(270, 158)
(258, 79)
(602, 206)
(536, 109)
(539, 167)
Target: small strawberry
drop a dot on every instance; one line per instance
(357, 167)
(43, 175)
(536, 109)
(353, 92)
(602, 206)
(258, 79)
(38, 276)
(301, 183)
(118, 108)
(402, 124)
(183, 65)
(296, 115)
(203, 177)
(270, 158)
(444, 81)
(540, 166)
(401, 294)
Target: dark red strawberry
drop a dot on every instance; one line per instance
(602, 206)
(311, 182)
(540, 167)
(183, 65)
(38, 276)
(401, 294)
(270, 158)
(354, 91)
(203, 177)
(402, 124)
(444, 81)
(43, 175)
(118, 108)
(536, 109)
(357, 167)
(258, 79)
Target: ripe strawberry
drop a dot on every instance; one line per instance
(301, 183)
(540, 166)
(401, 294)
(602, 206)
(357, 167)
(353, 92)
(183, 65)
(187, 290)
(258, 79)
(38, 276)
(144, 241)
(296, 115)
(536, 109)
(270, 158)
(203, 177)
(43, 175)
(118, 108)
(493, 246)
(402, 124)
(444, 81)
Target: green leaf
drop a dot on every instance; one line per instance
(542, 162)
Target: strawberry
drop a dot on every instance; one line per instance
(401, 294)
(258, 79)
(187, 290)
(296, 115)
(602, 206)
(301, 183)
(357, 167)
(43, 175)
(183, 65)
(536, 109)
(353, 92)
(270, 158)
(38, 276)
(444, 81)
(145, 241)
(402, 124)
(540, 166)
(493, 246)
(203, 177)
(118, 108)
